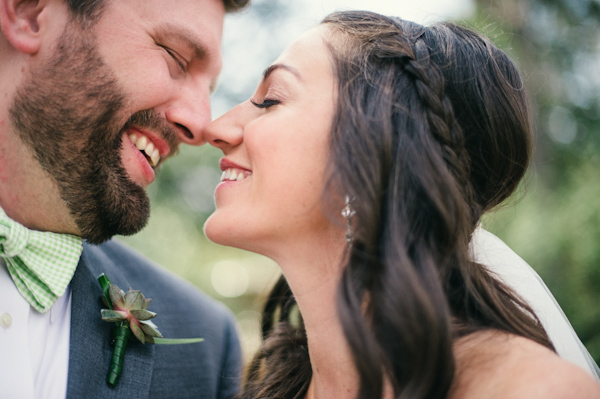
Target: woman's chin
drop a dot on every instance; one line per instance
(214, 232)
(228, 234)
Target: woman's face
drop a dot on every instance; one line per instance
(276, 146)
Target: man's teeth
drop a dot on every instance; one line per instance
(143, 144)
(233, 174)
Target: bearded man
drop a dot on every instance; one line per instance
(95, 95)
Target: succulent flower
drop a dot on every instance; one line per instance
(130, 312)
(131, 308)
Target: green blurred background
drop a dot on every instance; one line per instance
(554, 220)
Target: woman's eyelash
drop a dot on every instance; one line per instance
(266, 103)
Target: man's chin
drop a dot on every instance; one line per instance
(99, 237)
(100, 224)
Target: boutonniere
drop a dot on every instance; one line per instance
(130, 313)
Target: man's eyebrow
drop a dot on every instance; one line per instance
(185, 37)
(285, 67)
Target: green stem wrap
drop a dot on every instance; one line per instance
(116, 366)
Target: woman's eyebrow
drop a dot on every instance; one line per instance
(284, 67)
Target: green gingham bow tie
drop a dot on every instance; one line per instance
(40, 263)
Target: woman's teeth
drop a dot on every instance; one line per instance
(233, 174)
(143, 144)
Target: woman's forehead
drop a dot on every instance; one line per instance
(310, 42)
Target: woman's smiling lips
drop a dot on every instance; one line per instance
(232, 171)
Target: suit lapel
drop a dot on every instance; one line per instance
(90, 348)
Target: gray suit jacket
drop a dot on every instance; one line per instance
(209, 369)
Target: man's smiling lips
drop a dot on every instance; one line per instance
(150, 144)
(143, 151)
(143, 144)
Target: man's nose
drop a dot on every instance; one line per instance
(190, 113)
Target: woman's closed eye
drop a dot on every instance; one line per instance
(266, 103)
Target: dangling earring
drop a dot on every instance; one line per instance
(348, 212)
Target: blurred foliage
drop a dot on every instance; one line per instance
(556, 226)
(553, 223)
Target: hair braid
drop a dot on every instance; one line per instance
(430, 86)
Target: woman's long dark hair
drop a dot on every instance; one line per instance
(432, 129)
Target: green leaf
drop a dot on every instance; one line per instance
(112, 315)
(142, 314)
(150, 329)
(117, 296)
(137, 331)
(134, 299)
(148, 300)
(177, 341)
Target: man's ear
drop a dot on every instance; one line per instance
(19, 21)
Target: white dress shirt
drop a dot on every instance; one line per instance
(34, 347)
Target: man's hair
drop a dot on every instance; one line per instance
(89, 11)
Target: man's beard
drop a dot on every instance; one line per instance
(67, 112)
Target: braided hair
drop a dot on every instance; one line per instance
(431, 130)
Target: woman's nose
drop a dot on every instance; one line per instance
(226, 131)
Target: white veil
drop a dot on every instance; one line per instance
(489, 250)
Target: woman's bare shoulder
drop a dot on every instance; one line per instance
(493, 364)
